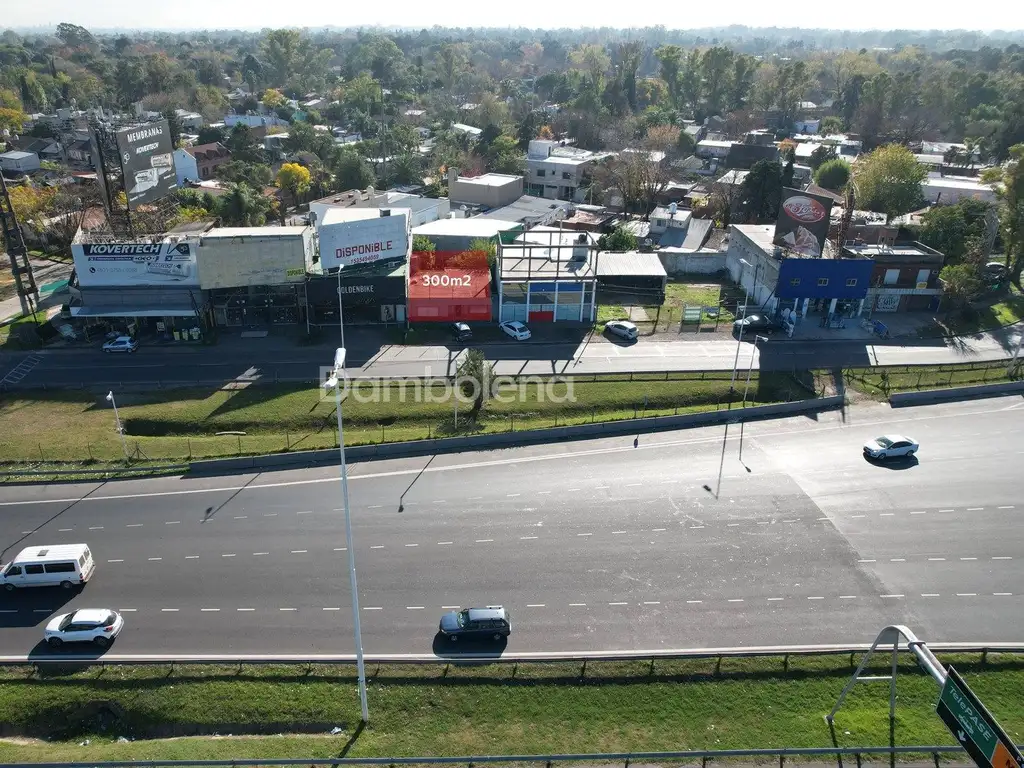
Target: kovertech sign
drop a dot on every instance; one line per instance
(135, 264)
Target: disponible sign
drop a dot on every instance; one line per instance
(364, 241)
(128, 264)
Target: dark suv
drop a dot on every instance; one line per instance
(492, 621)
(461, 332)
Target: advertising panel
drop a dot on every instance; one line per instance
(803, 222)
(147, 162)
(449, 286)
(120, 264)
(233, 258)
(364, 241)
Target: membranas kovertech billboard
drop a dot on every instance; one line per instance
(147, 161)
(130, 264)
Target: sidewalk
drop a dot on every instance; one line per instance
(47, 273)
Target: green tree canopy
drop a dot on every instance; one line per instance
(889, 181)
(832, 174)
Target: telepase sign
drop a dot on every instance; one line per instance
(113, 264)
(364, 241)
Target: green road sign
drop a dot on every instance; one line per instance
(974, 727)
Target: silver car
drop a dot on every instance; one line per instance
(890, 447)
(623, 329)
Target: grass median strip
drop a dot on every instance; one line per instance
(883, 381)
(184, 423)
(477, 709)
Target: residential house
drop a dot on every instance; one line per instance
(274, 144)
(531, 211)
(713, 149)
(18, 162)
(905, 276)
(79, 152)
(558, 172)
(668, 225)
(198, 163)
(746, 155)
(470, 130)
(489, 190)
(729, 181)
(190, 121)
(47, 149)
(946, 190)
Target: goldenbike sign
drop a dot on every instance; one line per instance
(135, 264)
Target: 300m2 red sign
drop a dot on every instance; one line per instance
(448, 286)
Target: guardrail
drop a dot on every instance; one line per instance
(538, 657)
(705, 756)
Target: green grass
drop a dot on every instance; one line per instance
(19, 334)
(881, 382)
(183, 424)
(983, 316)
(496, 709)
(668, 316)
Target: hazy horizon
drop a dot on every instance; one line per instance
(192, 15)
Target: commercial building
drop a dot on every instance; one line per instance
(488, 190)
(547, 275)
(147, 285)
(632, 273)
(459, 234)
(904, 278)
(372, 294)
(255, 276)
(351, 237)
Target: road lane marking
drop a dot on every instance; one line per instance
(543, 493)
(897, 560)
(896, 597)
(866, 561)
(968, 558)
(535, 605)
(127, 610)
(478, 498)
(574, 490)
(331, 609)
(258, 554)
(441, 501)
(67, 530)
(191, 557)
(1008, 506)
(764, 522)
(168, 610)
(173, 522)
(577, 605)
(450, 607)
(340, 549)
(615, 533)
(153, 559)
(775, 599)
(1002, 557)
(657, 530)
(696, 527)
(929, 594)
(525, 538)
(886, 514)
(790, 521)
(633, 485)
(966, 594)
(847, 597)
(815, 598)
(618, 603)
(936, 559)
(652, 602)
(441, 543)
(209, 610)
(377, 546)
(42, 610)
(1002, 594)
(412, 545)
(245, 610)
(93, 528)
(512, 495)
(228, 555)
(270, 514)
(484, 541)
(688, 602)
(373, 608)
(975, 509)
(241, 517)
(414, 607)
(115, 561)
(584, 534)
(372, 506)
(601, 487)
(736, 600)
(919, 513)
(288, 609)
(305, 512)
(300, 551)
(732, 525)
(130, 525)
(947, 510)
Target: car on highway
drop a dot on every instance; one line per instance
(890, 447)
(461, 332)
(756, 323)
(121, 344)
(623, 329)
(492, 621)
(515, 329)
(86, 625)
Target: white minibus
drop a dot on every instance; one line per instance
(65, 565)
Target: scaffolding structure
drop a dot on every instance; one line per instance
(17, 252)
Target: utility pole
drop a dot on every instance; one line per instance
(21, 265)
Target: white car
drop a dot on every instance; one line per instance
(515, 329)
(121, 344)
(86, 625)
(622, 328)
(890, 446)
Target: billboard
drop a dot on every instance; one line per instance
(364, 241)
(146, 264)
(803, 222)
(147, 161)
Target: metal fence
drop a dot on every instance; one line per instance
(931, 752)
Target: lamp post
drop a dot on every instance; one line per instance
(750, 367)
(341, 314)
(120, 431)
(739, 336)
(335, 381)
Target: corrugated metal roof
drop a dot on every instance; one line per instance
(629, 264)
(254, 232)
(697, 233)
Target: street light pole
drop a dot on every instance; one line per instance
(739, 337)
(120, 431)
(335, 381)
(341, 314)
(750, 367)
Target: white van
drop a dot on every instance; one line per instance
(66, 565)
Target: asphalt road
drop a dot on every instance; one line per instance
(592, 545)
(273, 359)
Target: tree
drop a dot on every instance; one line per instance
(950, 229)
(174, 124)
(504, 156)
(830, 125)
(619, 239)
(75, 36)
(630, 55)
(11, 114)
(423, 244)
(475, 376)
(451, 61)
(295, 179)
(272, 99)
(212, 135)
(30, 205)
(485, 245)
(821, 154)
(833, 174)
(243, 206)
(256, 175)
(889, 181)
(352, 172)
(671, 59)
(1010, 189)
(685, 145)
(242, 144)
(761, 191)
(961, 284)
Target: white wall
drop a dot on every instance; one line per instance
(185, 167)
(252, 260)
(697, 263)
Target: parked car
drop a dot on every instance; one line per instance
(86, 625)
(515, 329)
(623, 329)
(462, 332)
(890, 446)
(121, 344)
(492, 621)
(756, 324)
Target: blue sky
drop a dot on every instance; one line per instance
(255, 14)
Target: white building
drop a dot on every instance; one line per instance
(16, 161)
(665, 218)
(421, 210)
(946, 190)
(558, 172)
(713, 148)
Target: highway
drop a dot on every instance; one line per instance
(261, 359)
(592, 545)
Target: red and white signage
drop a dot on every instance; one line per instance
(364, 241)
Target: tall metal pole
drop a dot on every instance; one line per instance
(339, 367)
(117, 421)
(739, 338)
(341, 313)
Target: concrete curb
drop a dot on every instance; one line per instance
(508, 439)
(903, 399)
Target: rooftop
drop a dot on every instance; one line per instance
(224, 233)
(629, 263)
(474, 227)
(956, 182)
(16, 154)
(490, 179)
(528, 207)
(892, 253)
(463, 128)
